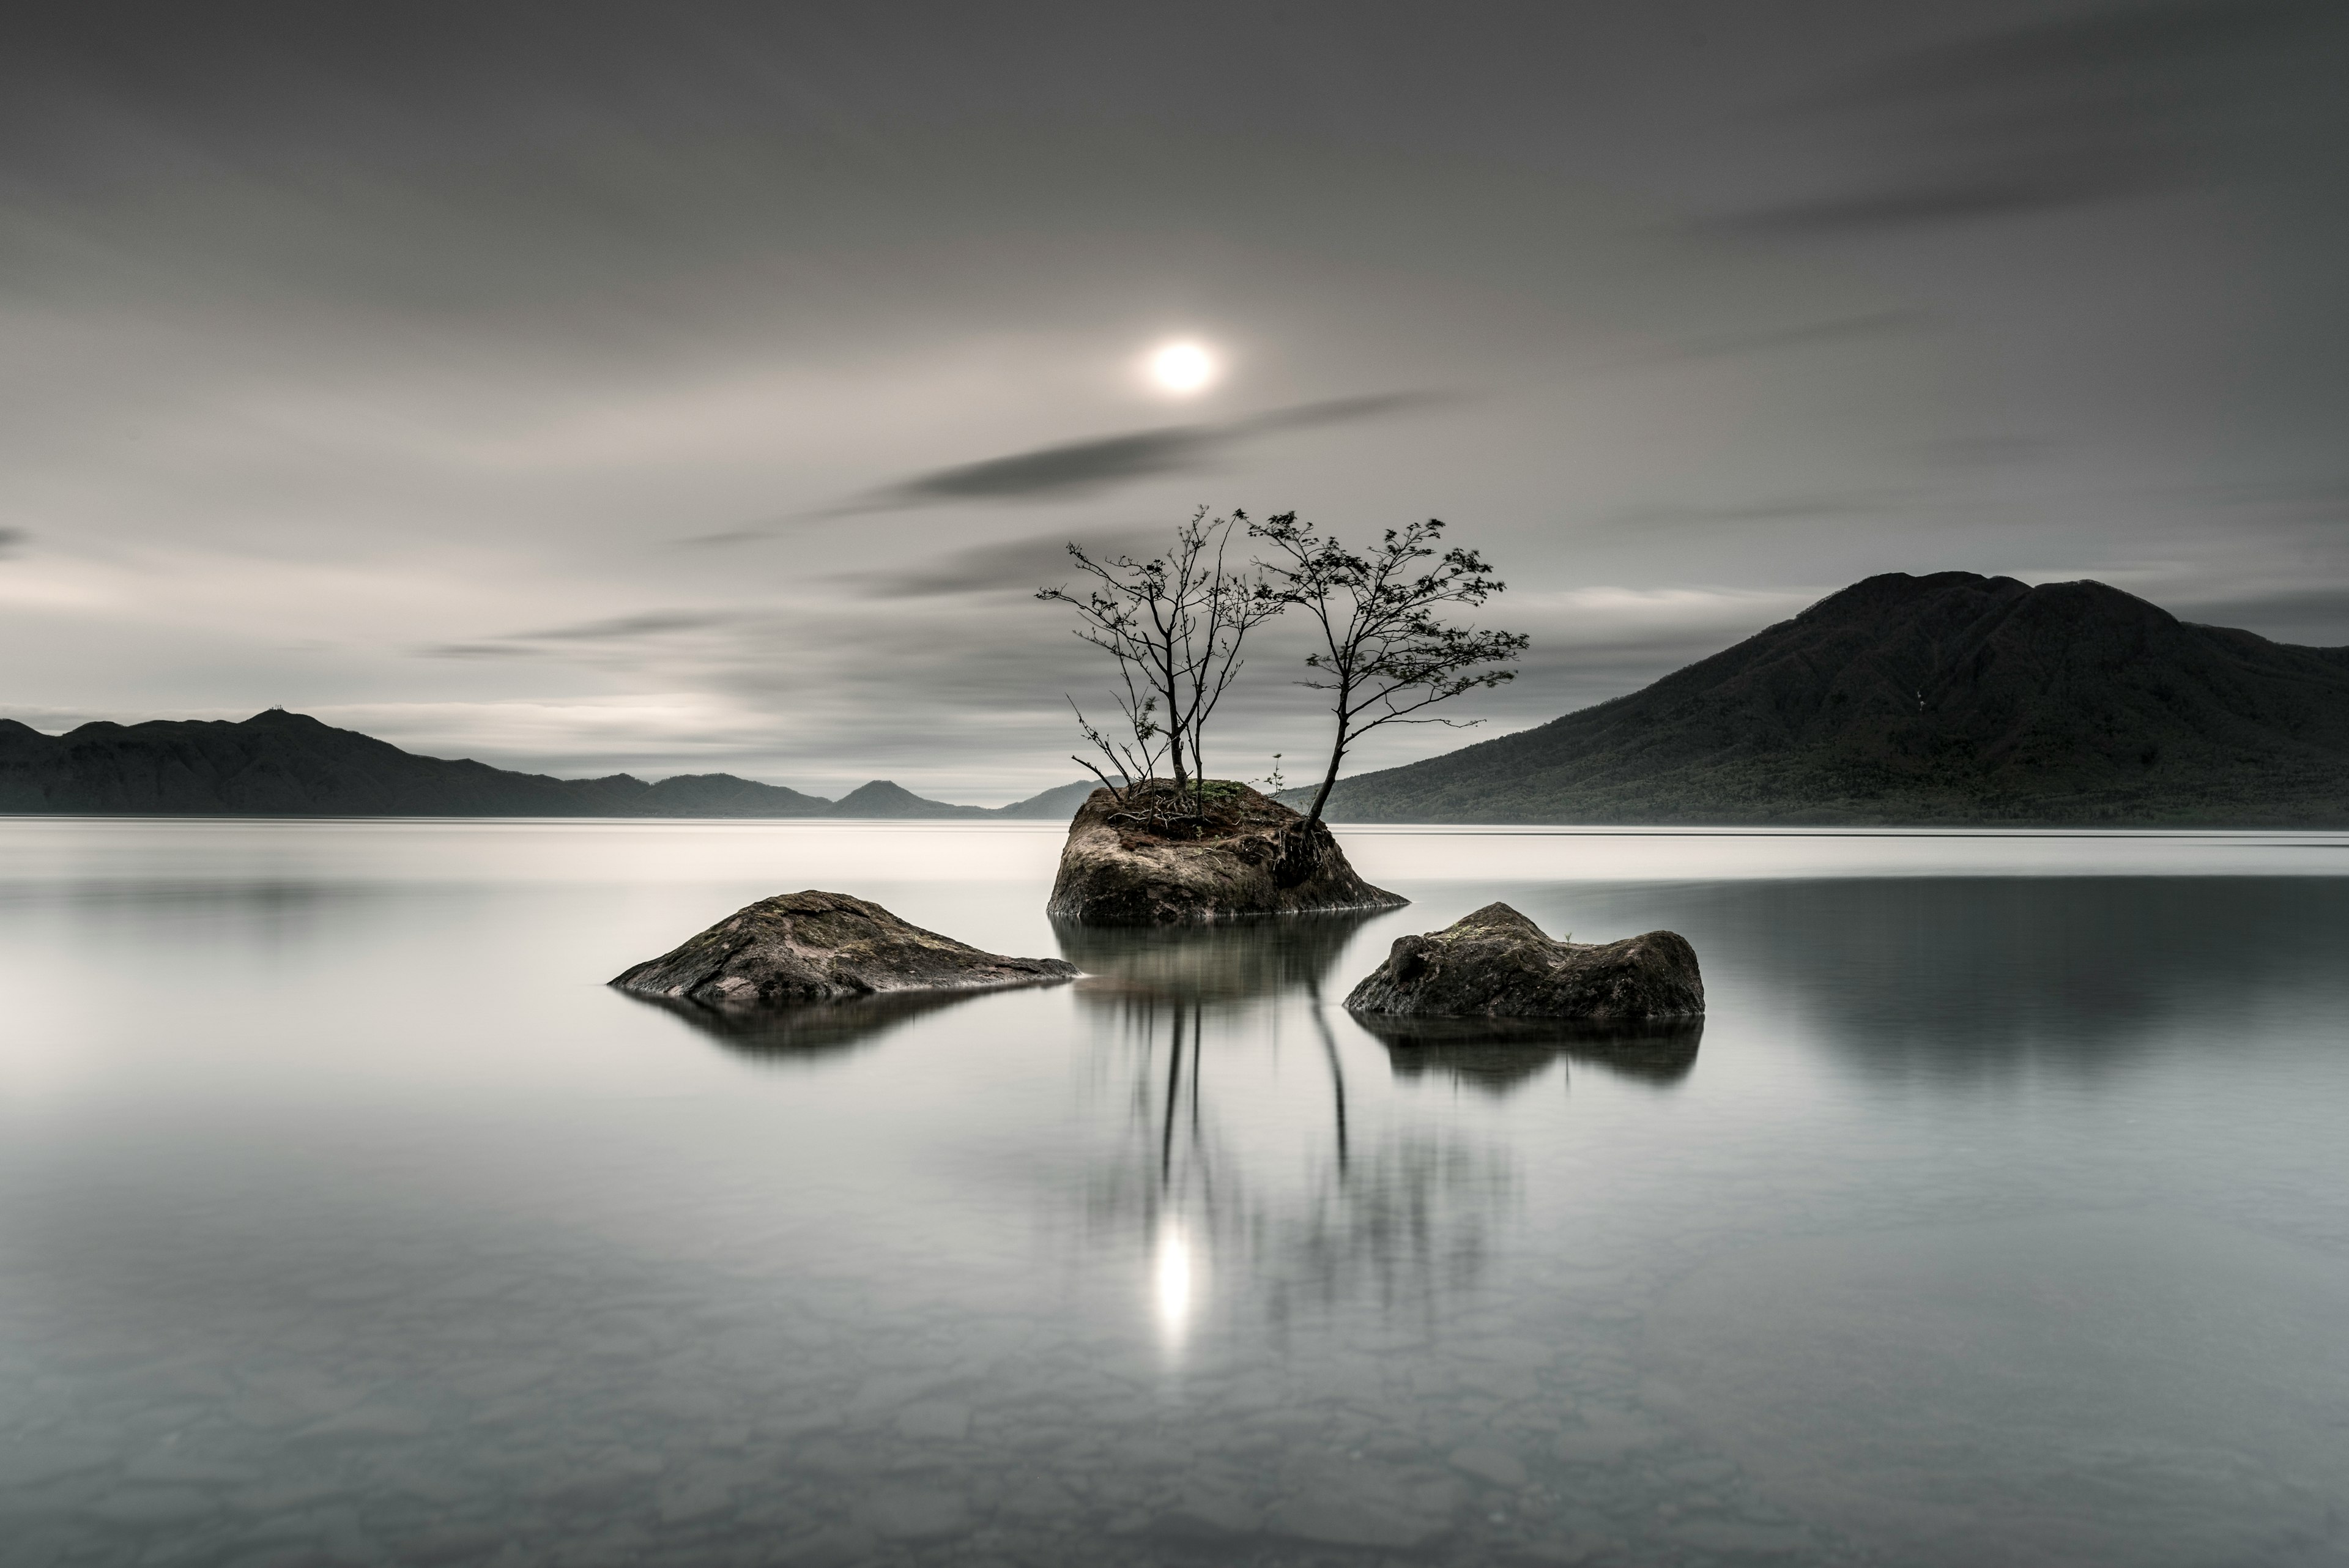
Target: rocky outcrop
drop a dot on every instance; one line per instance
(813, 947)
(1157, 857)
(1496, 963)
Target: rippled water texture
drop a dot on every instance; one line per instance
(1998, 1213)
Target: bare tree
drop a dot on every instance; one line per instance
(1386, 653)
(1175, 624)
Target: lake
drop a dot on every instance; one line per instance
(1997, 1213)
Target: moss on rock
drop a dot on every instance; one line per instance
(1496, 963)
(1162, 857)
(814, 946)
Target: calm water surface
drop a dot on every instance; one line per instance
(1998, 1213)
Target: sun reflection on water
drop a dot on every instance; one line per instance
(1174, 1283)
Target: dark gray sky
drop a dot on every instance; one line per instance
(677, 386)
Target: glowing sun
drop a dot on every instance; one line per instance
(1182, 368)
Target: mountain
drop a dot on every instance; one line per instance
(883, 799)
(1055, 805)
(1944, 699)
(723, 795)
(289, 764)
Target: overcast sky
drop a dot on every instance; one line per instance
(677, 386)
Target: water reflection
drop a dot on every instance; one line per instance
(1500, 1055)
(485, 1272)
(1228, 962)
(811, 1030)
(1989, 976)
(1324, 1214)
(1173, 1279)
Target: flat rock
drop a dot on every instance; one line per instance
(1158, 858)
(798, 948)
(1496, 963)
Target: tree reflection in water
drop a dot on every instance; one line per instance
(1244, 962)
(1393, 1215)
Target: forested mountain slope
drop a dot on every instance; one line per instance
(289, 764)
(1944, 699)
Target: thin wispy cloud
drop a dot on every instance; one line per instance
(1072, 469)
(1015, 565)
(357, 354)
(1805, 334)
(2053, 115)
(1760, 510)
(621, 628)
(481, 651)
(612, 629)
(1084, 466)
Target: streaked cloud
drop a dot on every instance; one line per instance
(479, 650)
(1083, 466)
(1760, 510)
(379, 363)
(621, 628)
(2120, 102)
(1017, 565)
(611, 629)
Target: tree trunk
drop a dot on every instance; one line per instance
(1170, 689)
(1174, 758)
(1328, 780)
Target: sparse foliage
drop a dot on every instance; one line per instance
(1175, 624)
(1386, 651)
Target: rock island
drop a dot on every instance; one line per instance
(810, 947)
(1496, 963)
(1157, 854)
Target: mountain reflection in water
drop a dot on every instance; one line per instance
(1981, 978)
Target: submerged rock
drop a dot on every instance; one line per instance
(812, 947)
(1496, 963)
(1159, 857)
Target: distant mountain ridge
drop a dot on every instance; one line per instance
(1951, 698)
(278, 763)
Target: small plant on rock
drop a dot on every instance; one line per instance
(1175, 624)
